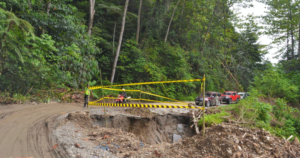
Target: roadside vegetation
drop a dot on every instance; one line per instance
(273, 104)
(53, 48)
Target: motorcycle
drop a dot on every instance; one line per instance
(120, 99)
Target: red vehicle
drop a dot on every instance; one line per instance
(209, 99)
(120, 99)
(230, 96)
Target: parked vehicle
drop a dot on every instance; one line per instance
(243, 94)
(230, 96)
(209, 99)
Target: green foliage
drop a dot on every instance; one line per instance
(213, 119)
(280, 109)
(273, 83)
(263, 111)
(60, 54)
(19, 98)
(282, 19)
(252, 111)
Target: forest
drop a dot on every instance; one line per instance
(48, 45)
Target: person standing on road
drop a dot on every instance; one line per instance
(217, 100)
(87, 92)
(124, 94)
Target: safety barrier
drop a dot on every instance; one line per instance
(144, 105)
(183, 103)
(143, 93)
(145, 83)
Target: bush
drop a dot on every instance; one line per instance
(263, 111)
(213, 119)
(273, 83)
(279, 109)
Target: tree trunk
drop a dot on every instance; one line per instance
(208, 29)
(92, 13)
(171, 22)
(287, 46)
(120, 43)
(114, 38)
(29, 4)
(138, 22)
(48, 8)
(292, 34)
(299, 43)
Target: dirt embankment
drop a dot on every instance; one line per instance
(136, 136)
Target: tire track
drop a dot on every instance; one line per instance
(26, 130)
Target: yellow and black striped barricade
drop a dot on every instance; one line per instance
(145, 105)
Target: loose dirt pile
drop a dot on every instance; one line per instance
(80, 118)
(220, 141)
(235, 141)
(143, 112)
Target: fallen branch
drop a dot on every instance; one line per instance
(28, 91)
(290, 137)
(195, 121)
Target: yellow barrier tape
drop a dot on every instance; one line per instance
(145, 106)
(97, 100)
(140, 99)
(161, 101)
(144, 93)
(143, 83)
(161, 96)
(121, 90)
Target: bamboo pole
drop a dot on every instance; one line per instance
(88, 104)
(203, 105)
(103, 100)
(140, 93)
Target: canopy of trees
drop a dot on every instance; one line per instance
(49, 44)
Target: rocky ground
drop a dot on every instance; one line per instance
(79, 135)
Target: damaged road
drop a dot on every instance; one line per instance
(68, 130)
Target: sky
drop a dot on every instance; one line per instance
(259, 9)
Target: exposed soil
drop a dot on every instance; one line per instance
(267, 100)
(26, 131)
(151, 130)
(133, 136)
(143, 112)
(236, 141)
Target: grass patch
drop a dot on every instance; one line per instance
(213, 119)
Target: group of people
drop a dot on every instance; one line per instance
(87, 93)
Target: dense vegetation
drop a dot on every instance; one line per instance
(54, 44)
(270, 114)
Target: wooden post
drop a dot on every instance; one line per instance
(203, 105)
(88, 104)
(103, 100)
(140, 94)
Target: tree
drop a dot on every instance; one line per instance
(171, 21)
(92, 13)
(13, 32)
(120, 43)
(281, 23)
(139, 22)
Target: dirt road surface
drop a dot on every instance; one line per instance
(24, 129)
